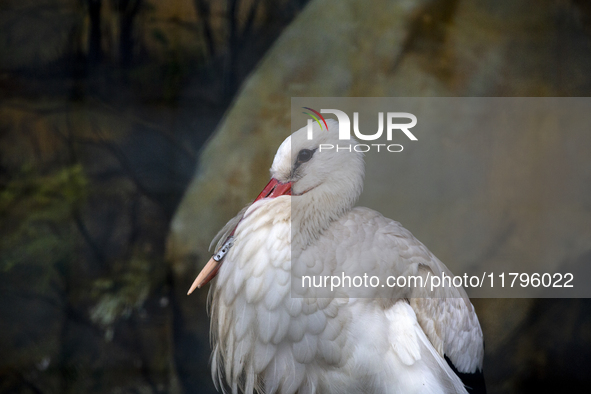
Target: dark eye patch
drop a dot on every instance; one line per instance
(304, 156)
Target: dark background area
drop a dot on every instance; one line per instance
(105, 107)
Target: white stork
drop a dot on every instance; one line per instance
(265, 340)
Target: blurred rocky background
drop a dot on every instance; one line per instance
(113, 182)
(104, 107)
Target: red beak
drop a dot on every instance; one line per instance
(273, 189)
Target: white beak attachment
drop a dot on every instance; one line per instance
(273, 189)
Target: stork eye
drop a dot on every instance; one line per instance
(305, 155)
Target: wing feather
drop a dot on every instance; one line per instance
(446, 315)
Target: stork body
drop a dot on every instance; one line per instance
(265, 339)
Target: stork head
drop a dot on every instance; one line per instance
(316, 163)
(325, 175)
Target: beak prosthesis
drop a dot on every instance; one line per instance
(273, 189)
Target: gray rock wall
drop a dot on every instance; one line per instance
(408, 49)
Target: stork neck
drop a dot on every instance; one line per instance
(312, 213)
